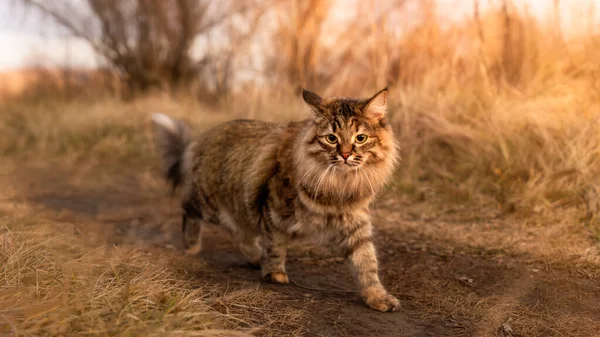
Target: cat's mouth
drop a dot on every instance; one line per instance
(352, 162)
(347, 164)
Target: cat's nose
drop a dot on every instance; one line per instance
(345, 155)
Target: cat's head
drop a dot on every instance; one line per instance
(350, 133)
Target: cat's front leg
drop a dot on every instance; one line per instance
(273, 257)
(360, 252)
(274, 250)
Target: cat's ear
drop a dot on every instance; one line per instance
(313, 100)
(376, 107)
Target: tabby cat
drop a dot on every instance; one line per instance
(271, 183)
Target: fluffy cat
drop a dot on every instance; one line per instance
(271, 183)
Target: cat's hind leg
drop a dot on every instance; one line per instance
(192, 234)
(250, 247)
(191, 228)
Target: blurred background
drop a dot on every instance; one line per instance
(490, 98)
(217, 48)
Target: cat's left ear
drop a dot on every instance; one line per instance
(376, 107)
(313, 100)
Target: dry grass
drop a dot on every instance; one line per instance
(531, 150)
(58, 281)
(56, 83)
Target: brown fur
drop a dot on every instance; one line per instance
(269, 184)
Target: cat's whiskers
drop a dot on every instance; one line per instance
(365, 175)
(310, 169)
(395, 158)
(329, 184)
(318, 186)
(355, 178)
(301, 180)
(343, 194)
(382, 178)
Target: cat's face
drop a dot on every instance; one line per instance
(349, 133)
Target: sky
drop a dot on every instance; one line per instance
(29, 39)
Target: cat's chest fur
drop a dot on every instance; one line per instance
(309, 221)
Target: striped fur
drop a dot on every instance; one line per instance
(269, 184)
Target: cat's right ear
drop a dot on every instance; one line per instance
(313, 100)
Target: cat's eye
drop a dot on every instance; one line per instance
(361, 138)
(331, 138)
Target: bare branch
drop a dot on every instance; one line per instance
(148, 41)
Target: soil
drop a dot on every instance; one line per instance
(447, 288)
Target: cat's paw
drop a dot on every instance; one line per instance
(276, 277)
(379, 299)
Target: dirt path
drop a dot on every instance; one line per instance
(448, 288)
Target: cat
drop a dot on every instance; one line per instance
(272, 183)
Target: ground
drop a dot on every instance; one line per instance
(456, 272)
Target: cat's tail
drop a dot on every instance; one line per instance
(171, 138)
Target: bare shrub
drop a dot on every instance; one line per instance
(150, 43)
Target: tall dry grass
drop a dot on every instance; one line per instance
(505, 107)
(499, 106)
